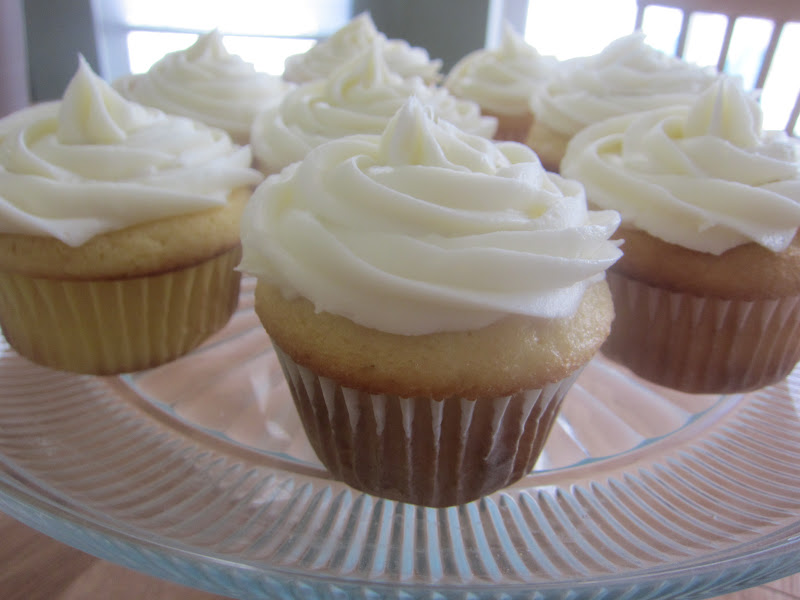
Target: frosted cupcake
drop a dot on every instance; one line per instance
(431, 295)
(359, 97)
(16, 120)
(208, 84)
(627, 76)
(502, 80)
(707, 294)
(353, 39)
(118, 231)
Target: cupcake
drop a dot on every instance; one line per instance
(353, 39)
(208, 84)
(502, 81)
(361, 96)
(627, 76)
(14, 121)
(707, 295)
(431, 296)
(118, 231)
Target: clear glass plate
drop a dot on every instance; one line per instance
(199, 472)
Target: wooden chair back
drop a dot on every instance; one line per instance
(779, 12)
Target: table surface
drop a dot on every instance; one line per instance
(36, 567)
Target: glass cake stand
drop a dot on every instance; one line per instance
(199, 472)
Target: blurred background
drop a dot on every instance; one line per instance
(40, 39)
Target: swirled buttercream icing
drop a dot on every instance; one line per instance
(503, 79)
(12, 122)
(350, 41)
(208, 84)
(95, 162)
(627, 76)
(426, 228)
(704, 176)
(359, 97)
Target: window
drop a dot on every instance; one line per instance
(133, 34)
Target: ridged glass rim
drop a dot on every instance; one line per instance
(769, 414)
(20, 500)
(222, 436)
(764, 564)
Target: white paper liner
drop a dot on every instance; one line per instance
(418, 450)
(702, 344)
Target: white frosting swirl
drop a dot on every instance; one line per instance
(627, 76)
(426, 228)
(350, 41)
(360, 97)
(704, 177)
(100, 163)
(503, 79)
(12, 122)
(208, 84)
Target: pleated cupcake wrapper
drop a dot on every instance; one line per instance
(114, 326)
(422, 451)
(513, 128)
(702, 344)
(511, 134)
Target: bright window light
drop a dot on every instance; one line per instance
(146, 47)
(266, 54)
(662, 26)
(706, 34)
(783, 81)
(134, 34)
(297, 18)
(750, 38)
(553, 29)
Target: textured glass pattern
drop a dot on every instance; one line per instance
(200, 472)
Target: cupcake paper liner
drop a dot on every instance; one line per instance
(418, 450)
(702, 344)
(110, 326)
(512, 128)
